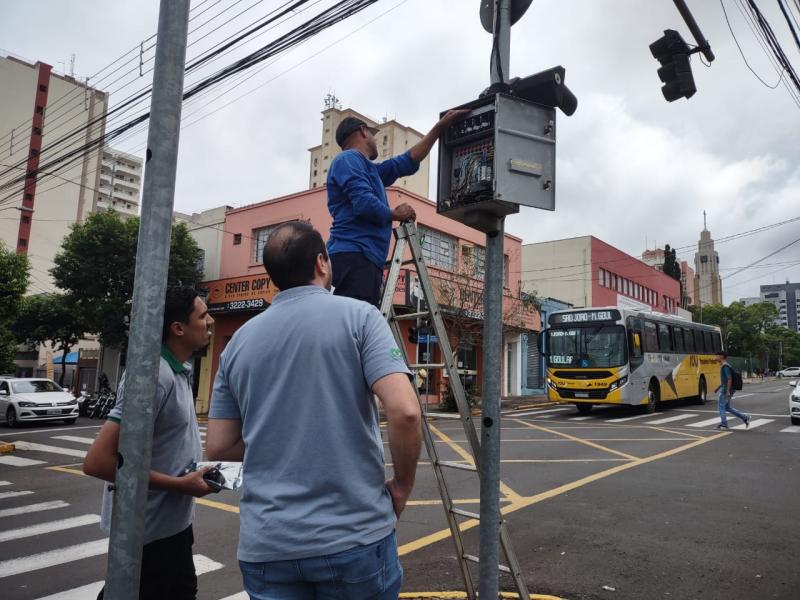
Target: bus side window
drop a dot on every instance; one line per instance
(678, 338)
(708, 343)
(689, 340)
(717, 342)
(698, 341)
(650, 337)
(664, 338)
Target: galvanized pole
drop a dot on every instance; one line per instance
(492, 351)
(150, 282)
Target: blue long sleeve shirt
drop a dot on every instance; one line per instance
(362, 219)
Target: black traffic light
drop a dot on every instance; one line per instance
(675, 72)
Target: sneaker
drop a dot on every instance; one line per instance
(747, 422)
(721, 426)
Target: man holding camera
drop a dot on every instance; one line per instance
(167, 567)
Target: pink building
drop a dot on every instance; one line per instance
(454, 255)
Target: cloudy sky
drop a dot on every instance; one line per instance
(632, 168)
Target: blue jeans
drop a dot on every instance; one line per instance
(725, 406)
(371, 572)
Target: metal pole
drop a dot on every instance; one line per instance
(150, 282)
(695, 29)
(492, 349)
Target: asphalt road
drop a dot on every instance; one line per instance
(656, 506)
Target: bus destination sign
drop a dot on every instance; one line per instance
(585, 316)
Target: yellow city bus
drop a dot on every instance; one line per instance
(621, 356)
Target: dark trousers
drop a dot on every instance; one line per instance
(168, 569)
(356, 277)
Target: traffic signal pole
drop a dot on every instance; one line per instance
(150, 283)
(492, 348)
(702, 42)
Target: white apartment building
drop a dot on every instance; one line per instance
(208, 230)
(786, 298)
(393, 138)
(120, 182)
(39, 107)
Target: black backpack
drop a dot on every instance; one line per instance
(736, 379)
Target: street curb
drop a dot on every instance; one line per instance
(6, 448)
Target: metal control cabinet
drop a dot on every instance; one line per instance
(500, 156)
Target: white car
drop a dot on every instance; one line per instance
(34, 399)
(789, 372)
(794, 403)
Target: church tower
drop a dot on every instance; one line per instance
(708, 283)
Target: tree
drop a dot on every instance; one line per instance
(673, 268)
(14, 270)
(745, 329)
(96, 268)
(50, 318)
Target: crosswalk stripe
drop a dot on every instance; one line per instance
(754, 423)
(627, 419)
(202, 565)
(706, 423)
(17, 461)
(40, 528)
(580, 418)
(52, 558)
(239, 596)
(74, 438)
(671, 419)
(791, 429)
(31, 508)
(538, 412)
(4, 495)
(32, 446)
(5, 483)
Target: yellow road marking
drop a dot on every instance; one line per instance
(537, 440)
(459, 595)
(580, 440)
(525, 502)
(439, 502)
(506, 491)
(219, 505)
(67, 470)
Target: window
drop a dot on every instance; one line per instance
(385, 139)
(664, 338)
(438, 248)
(708, 342)
(260, 237)
(315, 172)
(601, 278)
(608, 279)
(315, 162)
(506, 270)
(688, 339)
(650, 337)
(237, 239)
(678, 338)
(42, 87)
(717, 340)
(699, 346)
(473, 260)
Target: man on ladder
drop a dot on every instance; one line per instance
(362, 219)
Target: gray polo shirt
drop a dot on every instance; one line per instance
(176, 443)
(299, 377)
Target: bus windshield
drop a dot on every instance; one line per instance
(587, 347)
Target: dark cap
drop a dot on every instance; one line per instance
(348, 126)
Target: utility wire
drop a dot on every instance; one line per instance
(741, 52)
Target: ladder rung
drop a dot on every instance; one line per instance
(456, 465)
(451, 416)
(465, 513)
(427, 366)
(476, 560)
(414, 315)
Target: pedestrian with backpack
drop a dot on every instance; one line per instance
(730, 381)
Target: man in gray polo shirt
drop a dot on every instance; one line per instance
(167, 567)
(293, 399)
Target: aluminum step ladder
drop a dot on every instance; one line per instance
(406, 238)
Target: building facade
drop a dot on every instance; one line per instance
(120, 182)
(453, 254)
(587, 272)
(207, 228)
(393, 138)
(786, 298)
(708, 284)
(40, 108)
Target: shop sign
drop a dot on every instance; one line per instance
(237, 294)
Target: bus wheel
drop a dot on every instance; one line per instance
(583, 408)
(652, 398)
(702, 392)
